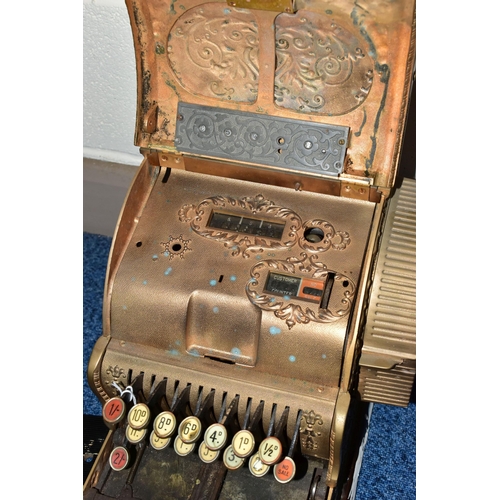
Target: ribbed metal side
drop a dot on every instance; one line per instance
(390, 332)
(387, 386)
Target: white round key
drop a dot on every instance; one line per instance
(206, 454)
(243, 443)
(190, 429)
(164, 424)
(232, 461)
(182, 448)
(138, 416)
(257, 467)
(157, 442)
(215, 437)
(135, 436)
(270, 450)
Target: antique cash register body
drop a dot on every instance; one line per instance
(261, 281)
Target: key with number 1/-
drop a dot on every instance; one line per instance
(113, 412)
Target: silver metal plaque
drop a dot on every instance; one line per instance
(314, 148)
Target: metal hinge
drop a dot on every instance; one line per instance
(163, 158)
(150, 120)
(356, 188)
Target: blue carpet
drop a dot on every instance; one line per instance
(388, 471)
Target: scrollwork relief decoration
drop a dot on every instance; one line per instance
(240, 243)
(214, 51)
(266, 140)
(321, 67)
(287, 308)
(338, 240)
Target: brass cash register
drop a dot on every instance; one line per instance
(260, 288)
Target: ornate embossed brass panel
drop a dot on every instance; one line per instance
(216, 55)
(321, 67)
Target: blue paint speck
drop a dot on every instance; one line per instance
(124, 308)
(323, 356)
(175, 352)
(235, 351)
(258, 257)
(213, 282)
(286, 297)
(145, 282)
(233, 278)
(215, 310)
(168, 271)
(194, 352)
(177, 342)
(274, 330)
(292, 358)
(155, 257)
(272, 299)
(166, 254)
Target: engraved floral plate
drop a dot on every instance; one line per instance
(320, 66)
(297, 145)
(214, 52)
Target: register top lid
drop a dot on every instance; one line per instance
(340, 72)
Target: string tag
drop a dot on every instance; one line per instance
(128, 391)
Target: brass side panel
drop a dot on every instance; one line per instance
(342, 63)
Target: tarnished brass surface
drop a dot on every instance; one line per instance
(176, 260)
(330, 62)
(194, 291)
(336, 435)
(276, 5)
(135, 201)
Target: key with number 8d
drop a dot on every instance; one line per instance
(164, 424)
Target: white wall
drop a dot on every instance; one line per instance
(109, 83)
